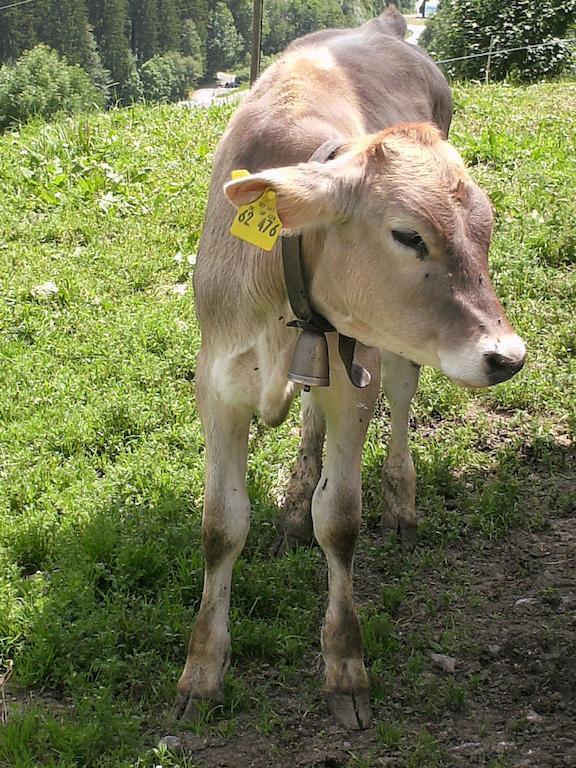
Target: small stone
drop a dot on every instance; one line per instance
(45, 290)
(446, 663)
(346, 745)
(107, 201)
(332, 760)
(494, 649)
(525, 601)
(171, 743)
(467, 746)
(35, 576)
(533, 717)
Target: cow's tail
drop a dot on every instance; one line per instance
(393, 22)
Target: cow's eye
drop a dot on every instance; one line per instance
(410, 239)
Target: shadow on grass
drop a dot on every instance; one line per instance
(122, 589)
(522, 484)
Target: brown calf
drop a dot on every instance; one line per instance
(395, 244)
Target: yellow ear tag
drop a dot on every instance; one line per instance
(257, 223)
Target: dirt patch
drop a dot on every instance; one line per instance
(514, 686)
(522, 654)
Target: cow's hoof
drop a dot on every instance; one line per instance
(351, 710)
(293, 529)
(294, 525)
(285, 542)
(196, 710)
(406, 535)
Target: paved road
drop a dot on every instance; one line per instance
(415, 32)
(205, 97)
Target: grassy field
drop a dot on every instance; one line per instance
(101, 459)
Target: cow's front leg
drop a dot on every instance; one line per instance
(399, 381)
(336, 513)
(225, 524)
(294, 524)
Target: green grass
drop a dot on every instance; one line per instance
(101, 455)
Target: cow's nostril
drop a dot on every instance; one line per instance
(502, 368)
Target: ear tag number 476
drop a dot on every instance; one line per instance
(258, 223)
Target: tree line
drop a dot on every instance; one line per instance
(157, 49)
(529, 41)
(70, 54)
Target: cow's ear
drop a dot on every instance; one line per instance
(307, 195)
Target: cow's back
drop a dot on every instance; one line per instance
(378, 79)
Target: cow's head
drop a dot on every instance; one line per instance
(401, 257)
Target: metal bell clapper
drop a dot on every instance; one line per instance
(310, 365)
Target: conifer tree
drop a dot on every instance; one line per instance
(168, 26)
(190, 43)
(242, 12)
(66, 30)
(144, 20)
(109, 25)
(199, 12)
(224, 44)
(19, 28)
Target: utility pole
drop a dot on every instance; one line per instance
(256, 39)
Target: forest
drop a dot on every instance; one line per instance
(132, 48)
(72, 55)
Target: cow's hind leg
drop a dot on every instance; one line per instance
(399, 381)
(336, 513)
(225, 524)
(294, 524)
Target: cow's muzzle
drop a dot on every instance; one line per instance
(501, 367)
(488, 361)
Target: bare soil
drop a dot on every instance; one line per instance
(517, 662)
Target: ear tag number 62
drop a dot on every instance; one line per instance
(258, 222)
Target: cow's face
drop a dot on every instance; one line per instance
(404, 261)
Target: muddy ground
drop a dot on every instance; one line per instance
(516, 663)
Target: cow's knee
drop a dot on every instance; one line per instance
(399, 380)
(225, 525)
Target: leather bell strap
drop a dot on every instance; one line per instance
(326, 151)
(306, 318)
(309, 320)
(358, 375)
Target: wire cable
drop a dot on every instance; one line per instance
(13, 5)
(507, 50)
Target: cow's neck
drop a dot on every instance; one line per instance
(311, 351)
